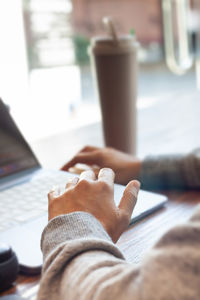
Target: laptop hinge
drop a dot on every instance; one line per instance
(18, 178)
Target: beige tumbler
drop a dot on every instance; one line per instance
(115, 68)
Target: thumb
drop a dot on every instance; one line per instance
(129, 198)
(84, 158)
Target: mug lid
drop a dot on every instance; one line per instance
(106, 45)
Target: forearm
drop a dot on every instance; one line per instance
(84, 264)
(78, 242)
(171, 171)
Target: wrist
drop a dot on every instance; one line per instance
(131, 170)
(135, 168)
(61, 229)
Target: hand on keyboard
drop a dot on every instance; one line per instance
(96, 196)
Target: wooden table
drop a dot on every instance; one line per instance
(136, 240)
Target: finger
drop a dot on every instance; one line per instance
(69, 164)
(129, 198)
(85, 158)
(51, 196)
(96, 170)
(89, 149)
(75, 170)
(74, 160)
(72, 182)
(79, 168)
(88, 175)
(54, 192)
(107, 175)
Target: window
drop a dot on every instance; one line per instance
(61, 87)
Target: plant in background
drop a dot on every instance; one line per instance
(81, 44)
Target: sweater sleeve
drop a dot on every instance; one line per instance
(81, 262)
(171, 171)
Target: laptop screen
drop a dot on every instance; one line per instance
(15, 153)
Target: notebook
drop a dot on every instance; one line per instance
(24, 186)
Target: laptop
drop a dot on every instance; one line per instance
(24, 186)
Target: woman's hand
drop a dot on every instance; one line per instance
(96, 196)
(125, 166)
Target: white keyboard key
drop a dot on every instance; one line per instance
(27, 216)
(28, 200)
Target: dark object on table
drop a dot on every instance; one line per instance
(9, 267)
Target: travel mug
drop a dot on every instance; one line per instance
(115, 69)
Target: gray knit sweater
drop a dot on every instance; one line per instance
(81, 262)
(171, 171)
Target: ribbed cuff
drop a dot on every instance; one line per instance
(72, 227)
(163, 172)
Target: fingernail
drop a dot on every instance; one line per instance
(135, 187)
(137, 184)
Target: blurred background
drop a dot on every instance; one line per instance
(45, 73)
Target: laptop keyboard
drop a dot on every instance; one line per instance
(27, 201)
